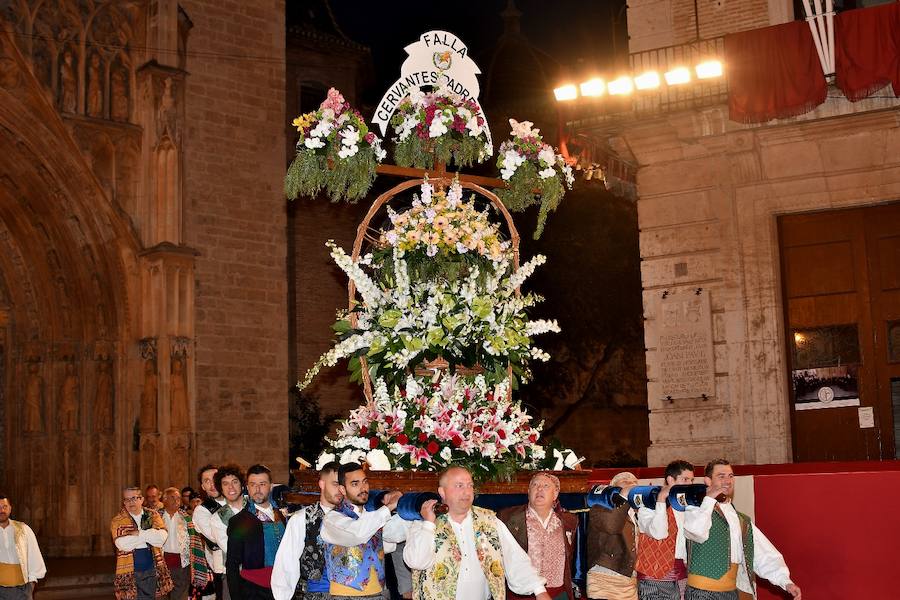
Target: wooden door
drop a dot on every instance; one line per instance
(841, 288)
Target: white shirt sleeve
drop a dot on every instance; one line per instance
(419, 553)
(341, 530)
(286, 570)
(521, 576)
(127, 543)
(768, 562)
(219, 533)
(154, 537)
(395, 531)
(36, 567)
(654, 523)
(698, 520)
(201, 519)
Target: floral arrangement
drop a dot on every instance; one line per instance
(441, 126)
(429, 426)
(336, 152)
(532, 167)
(440, 286)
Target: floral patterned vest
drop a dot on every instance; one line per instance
(352, 566)
(439, 582)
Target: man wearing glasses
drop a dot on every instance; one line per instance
(139, 535)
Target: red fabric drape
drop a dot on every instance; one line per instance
(867, 50)
(773, 73)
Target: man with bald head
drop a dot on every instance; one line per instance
(447, 562)
(546, 531)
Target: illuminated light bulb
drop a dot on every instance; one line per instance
(678, 76)
(566, 92)
(593, 87)
(709, 69)
(620, 87)
(647, 81)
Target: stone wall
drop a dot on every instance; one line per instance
(710, 192)
(235, 216)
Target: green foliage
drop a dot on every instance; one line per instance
(526, 189)
(462, 150)
(342, 178)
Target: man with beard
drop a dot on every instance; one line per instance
(21, 563)
(254, 535)
(546, 531)
(725, 548)
(467, 553)
(203, 516)
(355, 542)
(299, 570)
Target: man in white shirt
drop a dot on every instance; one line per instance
(176, 550)
(139, 535)
(202, 518)
(714, 525)
(661, 553)
(356, 539)
(21, 563)
(301, 555)
(467, 553)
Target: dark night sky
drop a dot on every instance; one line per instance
(577, 34)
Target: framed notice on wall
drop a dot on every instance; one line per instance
(685, 346)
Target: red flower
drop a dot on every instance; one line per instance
(477, 429)
(489, 396)
(403, 439)
(532, 438)
(456, 441)
(363, 430)
(373, 443)
(388, 419)
(432, 447)
(370, 137)
(423, 438)
(501, 434)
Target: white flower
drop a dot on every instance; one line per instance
(432, 250)
(427, 191)
(322, 128)
(378, 460)
(547, 155)
(313, 142)
(351, 455)
(560, 460)
(523, 129)
(437, 127)
(547, 173)
(350, 136)
(324, 458)
(446, 453)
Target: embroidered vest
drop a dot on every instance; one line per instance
(712, 558)
(439, 582)
(655, 558)
(351, 567)
(312, 559)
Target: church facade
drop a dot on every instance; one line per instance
(143, 304)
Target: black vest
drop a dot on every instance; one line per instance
(312, 559)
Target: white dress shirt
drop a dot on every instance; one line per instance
(177, 542)
(143, 538)
(655, 523)
(768, 562)
(34, 568)
(521, 576)
(341, 530)
(203, 523)
(286, 570)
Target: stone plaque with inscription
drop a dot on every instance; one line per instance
(685, 346)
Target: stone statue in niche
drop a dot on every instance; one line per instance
(166, 114)
(178, 395)
(68, 399)
(103, 399)
(119, 96)
(34, 399)
(95, 88)
(69, 84)
(149, 396)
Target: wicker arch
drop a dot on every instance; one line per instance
(361, 231)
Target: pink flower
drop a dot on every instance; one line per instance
(334, 101)
(370, 137)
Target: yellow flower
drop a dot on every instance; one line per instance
(440, 222)
(303, 121)
(440, 572)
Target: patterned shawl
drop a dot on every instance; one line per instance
(125, 585)
(201, 574)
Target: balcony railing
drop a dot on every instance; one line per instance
(693, 94)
